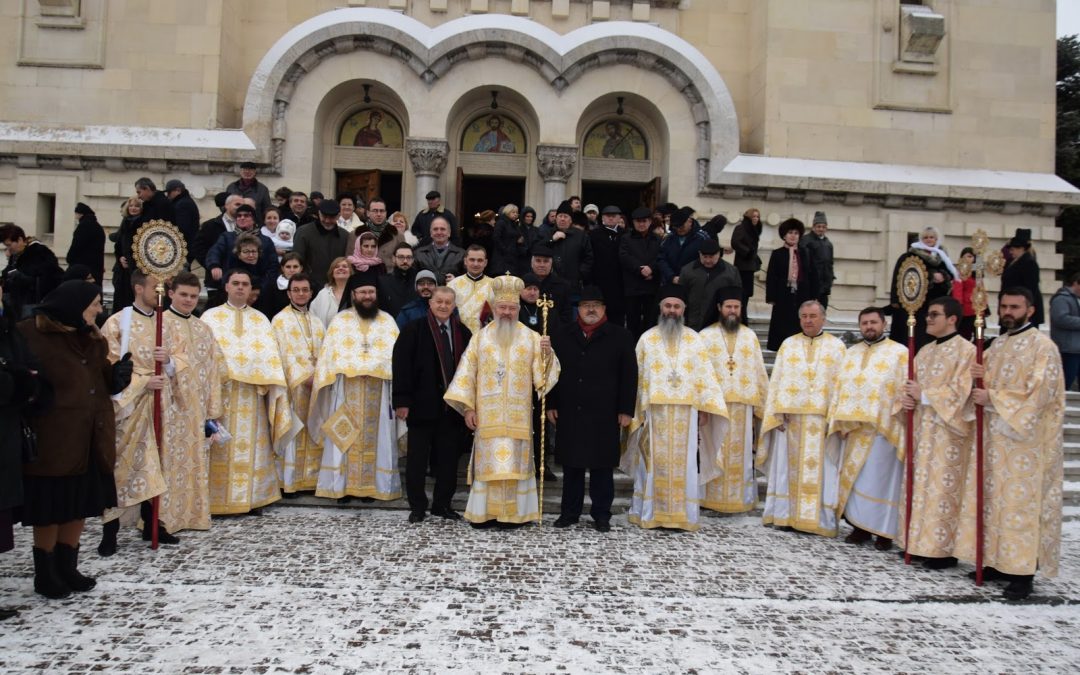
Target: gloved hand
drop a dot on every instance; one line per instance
(121, 374)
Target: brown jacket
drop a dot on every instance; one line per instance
(80, 425)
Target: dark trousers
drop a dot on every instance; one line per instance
(641, 313)
(1070, 364)
(601, 490)
(747, 293)
(436, 442)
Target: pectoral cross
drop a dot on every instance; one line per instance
(673, 378)
(731, 364)
(500, 372)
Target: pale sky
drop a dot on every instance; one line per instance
(1068, 17)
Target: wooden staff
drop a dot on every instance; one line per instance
(911, 281)
(544, 304)
(155, 502)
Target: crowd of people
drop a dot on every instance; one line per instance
(339, 342)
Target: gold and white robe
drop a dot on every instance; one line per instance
(738, 365)
(499, 384)
(137, 472)
(944, 447)
(1023, 459)
(801, 462)
(351, 413)
(865, 412)
(471, 296)
(299, 337)
(196, 389)
(664, 452)
(257, 416)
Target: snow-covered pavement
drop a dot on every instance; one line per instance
(360, 590)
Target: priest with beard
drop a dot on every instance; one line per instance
(493, 389)
(351, 414)
(678, 402)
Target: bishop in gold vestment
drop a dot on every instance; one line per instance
(1025, 396)
(679, 401)
(801, 462)
(257, 415)
(351, 413)
(737, 364)
(299, 335)
(944, 437)
(493, 389)
(865, 412)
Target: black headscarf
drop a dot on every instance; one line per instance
(67, 302)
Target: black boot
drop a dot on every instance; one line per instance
(67, 566)
(1020, 587)
(939, 563)
(146, 510)
(107, 547)
(46, 581)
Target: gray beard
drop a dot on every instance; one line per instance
(670, 328)
(504, 332)
(730, 323)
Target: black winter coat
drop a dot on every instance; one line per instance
(186, 219)
(607, 272)
(158, 208)
(1024, 272)
(88, 246)
(209, 233)
(396, 289)
(784, 321)
(674, 255)
(598, 382)
(572, 258)
(418, 379)
(898, 325)
(638, 250)
(30, 276)
(510, 248)
(744, 241)
(556, 288)
(18, 387)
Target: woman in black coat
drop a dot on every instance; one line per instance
(786, 292)
(123, 239)
(32, 270)
(20, 387)
(71, 477)
(1023, 271)
(510, 244)
(88, 243)
(941, 273)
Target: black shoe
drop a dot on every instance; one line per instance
(47, 581)
(1019, 588)
(858, 536)
(344, 500)
(549, 476)
(256, 512)
(914, 558)
(565, 521)
(602, 526)
(107, 547)
(448, 514)
(416, 517)
(991, 574)
(883, 544)
(508, 526)
(939, 563)
(67, 566)
(367, 500)
(163, 535)
(487, 524)
(290, 495)
(8, 614)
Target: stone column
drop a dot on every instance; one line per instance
(555, 163)
(428, 158)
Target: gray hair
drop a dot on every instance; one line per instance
(813, 302)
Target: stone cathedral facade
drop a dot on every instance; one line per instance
(886, 114)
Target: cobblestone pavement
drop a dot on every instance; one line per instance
(315, 590)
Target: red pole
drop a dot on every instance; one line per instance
(909, 453)
(978, 461)
(155, 503)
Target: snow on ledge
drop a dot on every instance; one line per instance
(143, 137)
(815, 174)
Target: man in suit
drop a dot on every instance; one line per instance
(440, 256)
(426, 355)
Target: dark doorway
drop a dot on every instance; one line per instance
(368, 184)
(486, 192)
(627, 196)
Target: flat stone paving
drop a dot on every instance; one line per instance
(317, 590)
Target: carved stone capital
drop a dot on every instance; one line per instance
(427, 155)
(556, 162)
